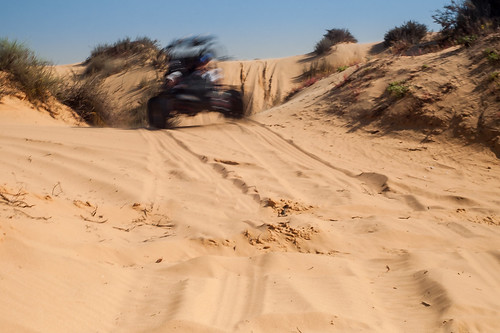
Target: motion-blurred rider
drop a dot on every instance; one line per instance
(195, 69)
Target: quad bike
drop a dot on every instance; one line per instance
(191, 96)
(192, 93)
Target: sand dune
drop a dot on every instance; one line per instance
(267, 82)
(283, 222)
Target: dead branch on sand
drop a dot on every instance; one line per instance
(93, 221)
(31, 216)
(15, 200)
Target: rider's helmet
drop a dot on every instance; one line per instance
(205, 58)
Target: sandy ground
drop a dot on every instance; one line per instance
(282, 222)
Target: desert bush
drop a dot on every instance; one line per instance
(108, 59)
(125, 47)
(398, 89)
(493, 77)
(400, 47)
(492, 56)
(29, 74)
(87, 99)
(467, 40)
(468, 17)
(409, 33)
(333, 37)
(340, 36)
(3, 85)
(323, 46)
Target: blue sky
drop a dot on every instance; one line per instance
(66, 31)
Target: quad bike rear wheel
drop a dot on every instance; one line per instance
(158, 112)
(237, 110)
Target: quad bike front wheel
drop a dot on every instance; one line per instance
(158, 111)
(237, 111)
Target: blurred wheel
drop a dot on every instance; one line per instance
(237, 110)
(158, 112)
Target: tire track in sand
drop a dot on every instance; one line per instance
(280, 169)
(167, 161)
(173, 165)
(379, 186)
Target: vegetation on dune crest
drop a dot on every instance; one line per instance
(468, 18)
(410, 33)
(320, 68)
(22, 70)
(31, 75)
(108, 59)
(125, 47)
(25, 73)
(86, 93)
(461, 21)
(333, 37)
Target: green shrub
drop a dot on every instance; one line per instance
(410, 33)
(398, 89)
(30, 74)
(35, 78)
(467, 41)
(494, 76)
(342, 68)
(492, 56)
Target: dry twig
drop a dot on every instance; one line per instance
(33, 217)
(16, 200)
(93, 221)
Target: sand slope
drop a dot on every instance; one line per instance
(267, 82)
(454, 91)
(288, 221)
